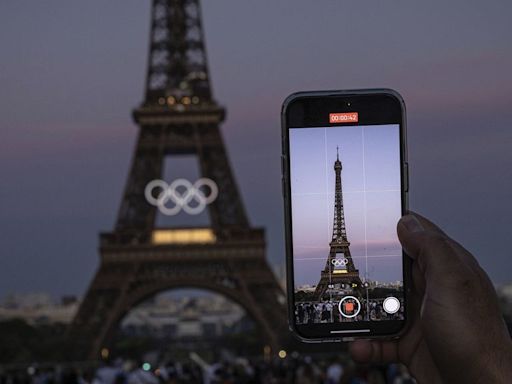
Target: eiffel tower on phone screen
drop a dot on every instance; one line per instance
(339, 270)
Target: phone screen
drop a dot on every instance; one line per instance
(346, 197)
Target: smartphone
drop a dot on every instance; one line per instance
(345, 186)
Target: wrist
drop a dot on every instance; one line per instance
(501, 367)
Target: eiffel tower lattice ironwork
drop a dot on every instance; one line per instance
(339, 267)
(178, 116)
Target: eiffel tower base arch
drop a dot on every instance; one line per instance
(121, 283)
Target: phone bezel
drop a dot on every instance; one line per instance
(368, 101)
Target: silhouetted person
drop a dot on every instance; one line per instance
(300, 313)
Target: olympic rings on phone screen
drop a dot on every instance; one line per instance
(339, 262)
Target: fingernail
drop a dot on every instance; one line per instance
(411, 223)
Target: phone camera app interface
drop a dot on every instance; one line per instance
(346, 201)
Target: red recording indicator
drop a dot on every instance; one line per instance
(345, 117)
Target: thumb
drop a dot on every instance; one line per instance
(430, 247)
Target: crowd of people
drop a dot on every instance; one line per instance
(328, 312)
(293, 369)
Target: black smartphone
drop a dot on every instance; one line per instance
(345, 186)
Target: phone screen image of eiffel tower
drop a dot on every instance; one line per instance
(346, 201)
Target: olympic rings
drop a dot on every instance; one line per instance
(181, 201)
(339, 262)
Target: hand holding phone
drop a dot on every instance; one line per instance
(456, 333)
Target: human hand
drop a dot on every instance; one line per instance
(456, 332)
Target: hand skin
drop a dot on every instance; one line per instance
(457, 333)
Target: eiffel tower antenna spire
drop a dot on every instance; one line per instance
(339, 231)
(177, 62)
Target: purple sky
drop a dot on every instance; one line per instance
(370, 157)
(71, 72)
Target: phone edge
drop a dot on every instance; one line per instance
(404, 176)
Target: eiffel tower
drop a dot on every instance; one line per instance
(339, 268)
(138, 259)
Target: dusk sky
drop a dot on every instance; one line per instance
(70, 73)
(370, 177)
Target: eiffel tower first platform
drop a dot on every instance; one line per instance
(138, 260)
(339, 268)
